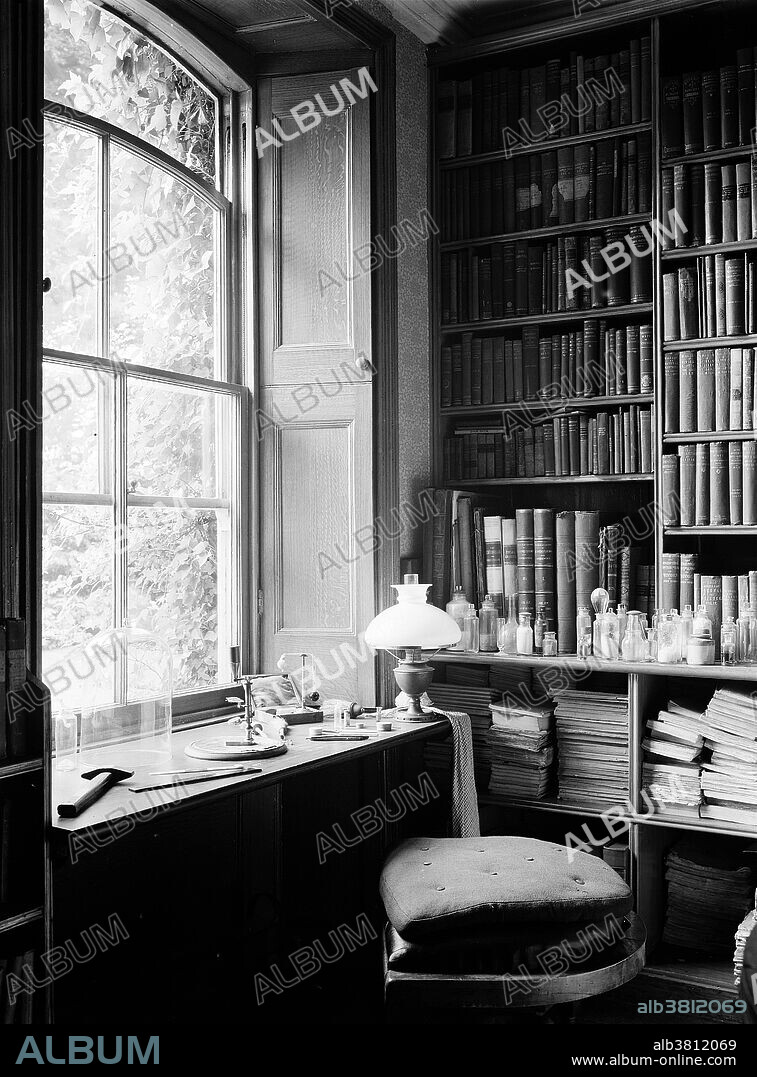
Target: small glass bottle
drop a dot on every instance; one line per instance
(457, 607)
(540, 625)
(525, 638)
(487, 621)
(652, 644)
(702, 625)
(668, 645)
(622, 623)
(656, 618)
(471, 632)
(508, 642)
(728, 639)
(685, 629)
(584, 644)
(501, 634)
(549, 645)
(634, 646)
(583, 621)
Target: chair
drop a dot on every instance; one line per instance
(502, 925)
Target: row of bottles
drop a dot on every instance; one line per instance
(611, 634)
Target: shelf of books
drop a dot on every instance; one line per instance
(594, 339)
(23, 810)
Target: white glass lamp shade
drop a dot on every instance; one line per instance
(412, 622)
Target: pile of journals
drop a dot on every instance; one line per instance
(473, 696)
(709, 891)
(522, 745)
(672, 746)
(729, 779)
(592, 743)
(743, 931)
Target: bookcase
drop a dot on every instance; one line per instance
(573, 380)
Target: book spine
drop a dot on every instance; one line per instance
(493, 546)
(509, 558)
(565, 532)
(524, 522)
(736, 390)
(702, 513)
(730, 601)
(687, 388)
(689, 563)
(712, 599)
(749, 482)
(687, 479)
(586, 556)
(544, 563)
(671, 580)
(671, 490)
(735, 480)
(705, 393)
(722, 389)
(719, 496)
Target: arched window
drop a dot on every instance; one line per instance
(142, 375)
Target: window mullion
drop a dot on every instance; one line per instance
(120, 551)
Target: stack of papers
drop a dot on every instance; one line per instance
(522, 743)
(673, 744)
(592, 747)
(729, 778)
(474, 701)
(709, 891)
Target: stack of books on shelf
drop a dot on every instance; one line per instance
(729, 778)
(717, 201)
(472, 695)
(710, 390)
(551, 276)
(743, 931)
(498, 108)
(589, 182)
(615, 442)
(522, 747)
(16, 1007)
(714, 297)
(711, 484)
(592, 747)
(594, 361)
(709, 891)
(545, 559)
(710, 110)
(723, 596)
(672, 744)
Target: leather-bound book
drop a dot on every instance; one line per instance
(749, 482)
(745, 80)
(747, 388)
(671, 490)
(711, 109)
(743, 200)
(730, 592)
(633, 359)
(681, 204)
(687, 479)
(646, 358)
(586, 556)
(705, 389)
(509, 557)
(687, 389)
(668, 204)
(688, 302)
(671, 320)
(640, 276)
(565, 540)
(644, 167)
(728, 180)
(729, 107)
(713, 203)
(722, 388)
(734, 295)
(645, 440)
(695, 236)
(702, 511)
(544, 563)
(671, 580)
(693, 137)
(719, 497)
(735, 482)
(737, 390)
(689, 564)
(524, 523)
(672, 117)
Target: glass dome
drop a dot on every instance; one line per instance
(126, 716)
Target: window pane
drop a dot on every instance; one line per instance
(161, 270)
(173, 438)
(77, 430)
(180, 588)
(77, 592)
(71, 239)
(98, 65)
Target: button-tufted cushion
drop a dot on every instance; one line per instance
(430, 885)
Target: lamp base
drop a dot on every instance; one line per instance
(411, 715)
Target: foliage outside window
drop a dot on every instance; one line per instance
(141, 416)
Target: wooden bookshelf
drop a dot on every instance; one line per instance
(648, 837)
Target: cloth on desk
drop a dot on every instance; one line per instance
(465, 822)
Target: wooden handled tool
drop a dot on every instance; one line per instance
(100, 781)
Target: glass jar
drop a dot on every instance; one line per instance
(746, 637)
(728, 641)
(540, 625)
(584, 644)
(525, 636)
(606, 635)
(583, 622)
(702, 625)
(685, 629)
(668, 642)
(457, 607)
(622, 623)
(634, 646)
(508, 640)
(487, 621)
(471, 632)
(700, 651)
(549, 646)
